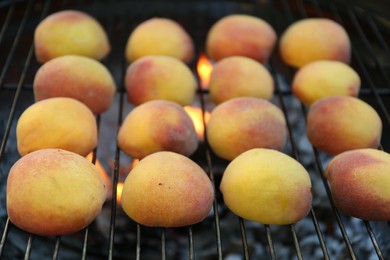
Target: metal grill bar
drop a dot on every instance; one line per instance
(191, 244)
(56, 248)
(335, 210)
(269, 242)
(114, 185)
(6, 24)
(244, 239)
(28, 248)
(4, 71)
(367, 44)
(373, 239)
(296, 242)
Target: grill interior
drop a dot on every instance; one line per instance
(323, 234)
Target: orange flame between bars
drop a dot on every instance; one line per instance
(197, 118)
(101, 170)
(204, 68)
(106, 179)
(119, 188)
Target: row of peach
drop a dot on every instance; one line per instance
(164, 127)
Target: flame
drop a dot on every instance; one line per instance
(99, 167)
(106, 178)
(134, 163)
(119, 188)
(196, 115)
(204, 68)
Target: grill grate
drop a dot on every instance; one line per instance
(222, 234)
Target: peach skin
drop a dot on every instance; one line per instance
(70, 32)
(54, 192)
(241, 35)
(312, 39)
(160, 77)
(78, 77)
(179, 192)
(160, 36)
(341, 123)
(243, 123)
(267, 186)
(239, 76)
(157, 125)
(359, 180)
(60, 122)
(325, 78)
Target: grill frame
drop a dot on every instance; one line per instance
(375, 75)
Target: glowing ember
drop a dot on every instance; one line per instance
(196, 115)
(204, 68)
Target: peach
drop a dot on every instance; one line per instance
(61, 122)
(239, 76)
(359, 182)
(243, 123)
(325, 78)
(341, 123)
(241, 35)
(312, 39)
(160, 77)
(267, 186)
(54, 192)
(179, 192)
(70, 32)
(160, 36)
(157, 125)
(78, 77)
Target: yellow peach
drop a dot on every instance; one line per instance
(160, 36)
(267, 186)
(312, 39)
(160, 77)
(61, 122)
(157, 125)
(239, 76)
(179, 192)
(54, 192)
(243, 123)
(241, 35)
(325, 78)
(70, 32)
(77, 77)
(341, 123)
(359, 180)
